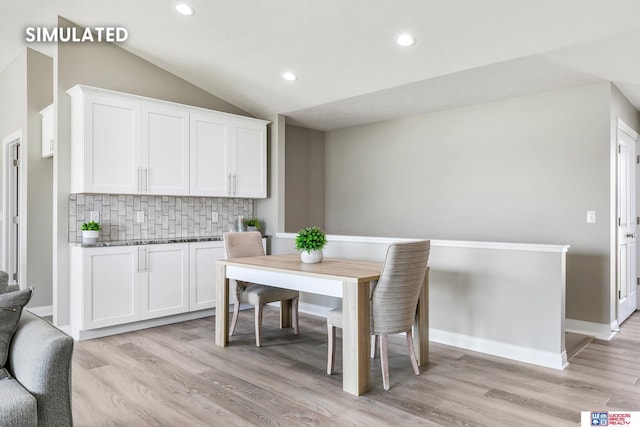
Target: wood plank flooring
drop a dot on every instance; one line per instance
(175, 376)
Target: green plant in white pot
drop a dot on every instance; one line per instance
(90, 231)
(310, 242)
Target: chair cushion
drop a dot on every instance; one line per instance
(255, 294)
(11, 305)
(17, 406)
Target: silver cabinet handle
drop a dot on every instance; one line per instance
(139, 262)
(235, 183)
(146, 260)
(51, 144)
(229, 184)
(146, 179)
(139, 170)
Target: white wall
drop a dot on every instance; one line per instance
(520, 170)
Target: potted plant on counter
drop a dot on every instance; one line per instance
(90, 231)
(310, 242)
(252, 224)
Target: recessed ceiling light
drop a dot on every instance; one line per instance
(185, 9)
(405, 40)
(289, 76)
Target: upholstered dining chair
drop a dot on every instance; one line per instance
(246, 244)
(394, 300)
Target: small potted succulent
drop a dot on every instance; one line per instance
(252, 224)
(90, 231)
(310, 242)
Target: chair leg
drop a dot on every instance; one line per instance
(331, 349)
(294, 314)
(374, 342)
(412, 353)
(384, 361)
(258, 325)
(234, 319)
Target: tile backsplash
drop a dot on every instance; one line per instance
(165, 217)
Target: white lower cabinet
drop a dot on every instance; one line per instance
(202, 262)
(164, 280)
(123, 284)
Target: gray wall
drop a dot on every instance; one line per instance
(520, 170)
(26, 88)
(111, 67)
(39, 181)
(304, 178)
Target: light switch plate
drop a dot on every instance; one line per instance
(139, 216)
(94, 216)
(591, 217)
(214, 216)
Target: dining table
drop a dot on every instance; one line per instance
(347, 279)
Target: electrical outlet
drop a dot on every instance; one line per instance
(139, 216)
(214, 216)
(94, 216)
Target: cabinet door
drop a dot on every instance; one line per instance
(111, 145)
(164, 150)
(209, 148)
(202, 273)
(47, 131)
(249, 157)
(165, 284)
(112, 294)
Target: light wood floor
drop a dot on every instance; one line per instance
(176, 376)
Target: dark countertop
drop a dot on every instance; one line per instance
(100, 244)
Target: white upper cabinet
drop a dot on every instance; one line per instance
(47, 131)
(228, 157)
(249, 159)
(105, 136)
(127, 144)
(210, 173)
(164, 165)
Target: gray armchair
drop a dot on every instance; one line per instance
(39, 394)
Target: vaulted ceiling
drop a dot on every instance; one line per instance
(350, 71)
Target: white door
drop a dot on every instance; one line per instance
(249, 157)
(111, 146)
(165, 279)
(165, 150)
(202, 273)
(627, 226)
(209, 173)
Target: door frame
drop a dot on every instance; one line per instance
(7, 145)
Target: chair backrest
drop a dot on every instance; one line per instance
(395, 298)
(244, 244)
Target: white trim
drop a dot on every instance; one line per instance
(628, 130)
(135, 326)
(529, 247)
(509, 351)
(600, 331)
(42, 311)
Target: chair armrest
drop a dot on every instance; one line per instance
(40, 358)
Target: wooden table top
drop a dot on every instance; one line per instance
(335, 268)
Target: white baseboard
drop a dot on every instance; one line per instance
(46, 310)
(144, 324)
(600, 331)
(495, 348)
